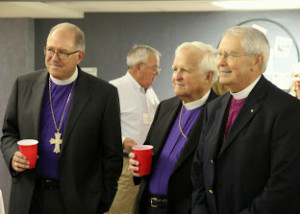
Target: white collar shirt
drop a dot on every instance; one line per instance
(197, 103)
(137, 107)
(246, 91)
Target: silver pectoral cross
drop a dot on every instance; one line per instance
(57, 141)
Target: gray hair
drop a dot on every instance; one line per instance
(139, 54)
(209, 60)
(253, 42)
(79, 35)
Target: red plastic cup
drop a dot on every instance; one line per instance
(143, 154)
(28, 147)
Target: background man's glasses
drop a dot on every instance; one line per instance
(50, 52)
(154, 69)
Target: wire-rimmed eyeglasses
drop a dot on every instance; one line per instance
(228, 55)
(50, 52)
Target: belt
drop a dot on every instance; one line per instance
(158, 201)
(47, 184)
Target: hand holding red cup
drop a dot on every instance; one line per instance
(143, 154)
(28, 148)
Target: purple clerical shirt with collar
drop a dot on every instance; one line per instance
(47, 164)
(235, 107)
(171, 151)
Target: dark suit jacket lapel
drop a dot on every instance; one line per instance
(38, 90)
(80, 98)
(249, 109)
(166, 125)
(218, 124)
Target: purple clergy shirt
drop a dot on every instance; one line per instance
(235, 107)
(171, 151)
(47, 164)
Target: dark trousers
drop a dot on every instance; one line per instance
(47, 201)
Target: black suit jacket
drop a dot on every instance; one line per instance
(180, 186)
(257, 168)
(91, 154)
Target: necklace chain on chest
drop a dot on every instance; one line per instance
(181, 131)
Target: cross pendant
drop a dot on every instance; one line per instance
(57, 141)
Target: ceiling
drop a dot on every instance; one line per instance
(77, 9)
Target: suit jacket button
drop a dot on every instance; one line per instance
(210, 191)
(212, 161)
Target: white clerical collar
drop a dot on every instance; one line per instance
(67, 81)
(134, 83)
(197, 103)
(245, 92)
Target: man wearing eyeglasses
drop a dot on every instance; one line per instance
(75, 118)
(138, 103)
(175, 131)
(248, 158)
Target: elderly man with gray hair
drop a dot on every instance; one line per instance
(248, 158)
(138, 103)
(175, 133)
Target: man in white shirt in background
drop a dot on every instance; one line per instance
(138, 103)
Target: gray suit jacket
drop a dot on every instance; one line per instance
(91, 154)
(256, 170)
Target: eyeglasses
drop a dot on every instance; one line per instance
(228, 56)
(154, 69)
(50, 52)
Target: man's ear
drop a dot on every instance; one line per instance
(209, 75)
(80, 56)
(258, 61)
